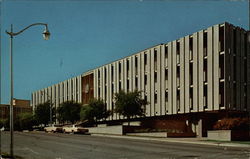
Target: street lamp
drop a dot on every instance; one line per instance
(46, 35)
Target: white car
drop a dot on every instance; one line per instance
(53, 128)
(74, 129)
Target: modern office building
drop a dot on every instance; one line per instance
(207, 72)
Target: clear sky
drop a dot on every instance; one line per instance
(86, 34)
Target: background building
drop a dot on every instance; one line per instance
(199, 76)
(19, 106)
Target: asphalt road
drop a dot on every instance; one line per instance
(37, 145)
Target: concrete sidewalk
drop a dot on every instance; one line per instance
(201, 141)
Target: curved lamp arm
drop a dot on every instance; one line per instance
(46, 32)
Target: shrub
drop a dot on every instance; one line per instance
(232, 124)
(24, 121)
(4, 123)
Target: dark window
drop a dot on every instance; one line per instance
(221, 92)
(155, 77)
(120, 85)
(127, 65)
(166, 96)
(205, 43)
(145, 58)
(112, 73)
(191, 73)
(136, 61)
(155, 96)
(178, 72)
(136, 82)
(221, 66)
(155, 55)
(166, 52)
(166, 74)
(221, 39)
(127, 84)
(205, 70)
(145, 80)
(146, 98)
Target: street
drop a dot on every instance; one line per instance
(39, 145)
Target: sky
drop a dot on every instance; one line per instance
(87, 34)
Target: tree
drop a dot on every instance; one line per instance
(232, 124)
(4, 123)
(42, 113)
(25, 121)
(69, 111)
(130, 104)
(94, 111)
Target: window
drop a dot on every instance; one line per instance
(145, 58)
(191, 73)
(136, 61)
(166, 97)
(178, 52)
(128, 65)
(155, 77)
(205, 70)
(205, 44)
(105, 75)
(127, 84)
(155, 54)
(178, 76)
(191, 98)
(166, 74)
(136, 83)
(191, 48)
(205, 96)
(112, 73)
(221, 94)
(120, 70)
(155, 98)
(166, 52)
(145, 80)
(178, 100)
(221, 39)
(120, 85)
(221, 66)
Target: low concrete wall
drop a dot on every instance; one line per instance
(115, 130)
(153, 134)
(222, 135)
(164, 134)
(228, 135)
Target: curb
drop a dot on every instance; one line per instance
(198, 142)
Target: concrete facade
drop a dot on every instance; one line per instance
(206, 71)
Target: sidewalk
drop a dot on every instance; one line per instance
(201, 141)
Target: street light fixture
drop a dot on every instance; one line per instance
(46, 35)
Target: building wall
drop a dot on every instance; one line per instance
(206, 71)
(237, 68)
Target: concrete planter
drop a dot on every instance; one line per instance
(113, 130)
(228, 135)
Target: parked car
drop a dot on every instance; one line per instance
(53, 128)
(74, 129)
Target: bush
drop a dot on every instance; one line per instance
(94, 111)
(232, 124)
(24, 121)
(4, 123)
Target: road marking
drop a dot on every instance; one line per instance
(29, 149)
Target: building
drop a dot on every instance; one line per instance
(204, 75)
(19, 106)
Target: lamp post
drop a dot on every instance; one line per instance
(46, 35)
